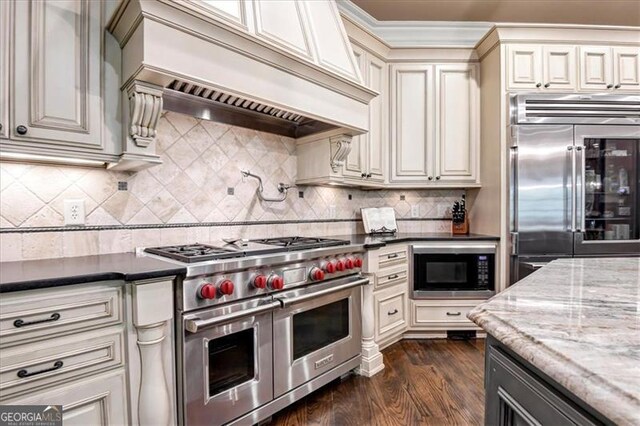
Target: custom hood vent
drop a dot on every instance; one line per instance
(280, 66)
(217, 105)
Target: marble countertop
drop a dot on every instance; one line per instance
(577, 321)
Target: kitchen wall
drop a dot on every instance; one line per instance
(197, 194)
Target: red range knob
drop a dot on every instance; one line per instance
(259, 281)
(340, 265)
(207, 291)
(329, 267)
(348, 263)
(316, 274)
(276, 282)
(226, 287)
(357, 262)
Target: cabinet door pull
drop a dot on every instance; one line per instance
(430, 178)
(392, 256)
(24, 373)
(539, 85)
(609, 86)
(454, 314)
(368, 175)
(395, 311)
(392, 277)
(21, 130)
(21, 323)
(437, 177)
(363, 175)
(617, 86)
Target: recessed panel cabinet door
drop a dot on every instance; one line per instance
(595, 68)
(5, 31)
(412, 123)
(457, 123)
(282, 23)
(354, 165)
(56, 91)
(559, 71)
(626, 68)
(231, 11)
(377, 80)
(524, 66)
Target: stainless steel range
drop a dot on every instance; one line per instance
(263, 323)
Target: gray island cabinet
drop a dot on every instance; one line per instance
(563, 345)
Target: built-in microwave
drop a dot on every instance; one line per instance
(453, 270)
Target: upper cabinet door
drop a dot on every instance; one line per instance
(412, 123)
(595, 68)
(376, 79)
(57, 68)
(524, 66)
(626, 68)
(559, 72)
(457, 123)
(354, 165)
(5, 36)
(284, 24)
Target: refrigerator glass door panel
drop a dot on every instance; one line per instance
(543, 189)
(608, 211)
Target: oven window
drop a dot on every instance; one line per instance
(446, 272)
(231, 361)
(319, 327)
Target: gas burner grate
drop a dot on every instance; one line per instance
(301, 243)
(195, 252)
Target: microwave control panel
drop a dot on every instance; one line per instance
(483, 271)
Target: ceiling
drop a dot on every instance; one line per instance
(599, 12)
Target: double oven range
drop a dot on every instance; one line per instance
(262, 323)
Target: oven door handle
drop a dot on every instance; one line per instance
(286, 302)
(197, 324)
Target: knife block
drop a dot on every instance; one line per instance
(460, 228)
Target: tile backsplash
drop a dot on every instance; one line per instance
(198, 183)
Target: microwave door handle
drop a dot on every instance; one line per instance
(197, 324)
(288, 301)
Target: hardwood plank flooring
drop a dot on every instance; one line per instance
(425, 382)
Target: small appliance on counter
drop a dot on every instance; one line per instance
(459, 217)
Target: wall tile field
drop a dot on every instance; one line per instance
(200, 184)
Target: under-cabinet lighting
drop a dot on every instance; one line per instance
(50, 159)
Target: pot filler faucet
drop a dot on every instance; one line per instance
(282, 188)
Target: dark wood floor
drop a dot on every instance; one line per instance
(425, 382)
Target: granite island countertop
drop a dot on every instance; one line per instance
(578, 322)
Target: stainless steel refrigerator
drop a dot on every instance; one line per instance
(574, 178)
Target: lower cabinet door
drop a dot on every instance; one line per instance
(97, 400)
(390, 312)
(516, 397)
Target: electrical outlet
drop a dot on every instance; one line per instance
(74, 212)
(415, 211)
(332, 211)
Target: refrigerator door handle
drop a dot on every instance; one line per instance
(579, 186)
(572, 186)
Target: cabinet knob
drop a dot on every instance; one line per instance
(363, 175)
(539, 85)
(21, 130)
(430, 178)
(547, 85)
(437, 177)
(609, 86)
(368, 175)
(617, 86)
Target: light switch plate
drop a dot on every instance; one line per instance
(74, 212)
(415, 211)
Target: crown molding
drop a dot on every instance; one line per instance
(416, 34)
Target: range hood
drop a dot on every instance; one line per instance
(281, 66)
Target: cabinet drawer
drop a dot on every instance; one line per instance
(391, 276)
(28, 315)
(441, 312)
(391, 257)
(98, 400)
(391, 311)
(50, 361)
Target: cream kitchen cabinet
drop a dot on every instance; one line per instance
(543, 67)
(604, 68)
(435, 125)
(366, 161)
(6, 24)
